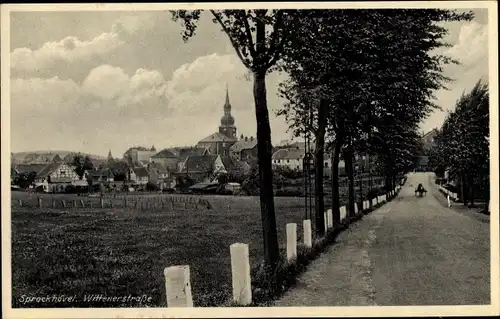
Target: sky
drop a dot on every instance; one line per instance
(100, 81)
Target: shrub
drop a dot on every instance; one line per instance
(151, 187)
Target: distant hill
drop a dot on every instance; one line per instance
(47, 156)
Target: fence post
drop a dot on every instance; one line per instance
(291, 241)
(102, 202)
(74, 203)
(39, 202)
(178, 286)
(240, 267)
(307, 233)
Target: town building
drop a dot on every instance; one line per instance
(429, 139)
(139, 155)
(56, 177)
(220, 142)
(167, 158)
(245, 149)
(157, 173)
(203, 168)
(138, 175)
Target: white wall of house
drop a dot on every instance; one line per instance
(65, 171)
(219, 166)
(292, 163)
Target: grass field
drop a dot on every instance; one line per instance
(123, 251)
(118, 252)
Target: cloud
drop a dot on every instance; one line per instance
(472, 44)
(471, 50)
(70, 49)
(115, 109)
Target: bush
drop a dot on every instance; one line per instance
(289, 191)
(151, 187)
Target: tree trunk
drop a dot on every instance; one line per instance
(319, 159)
(464, 190)
(348, 157)
(335, 181)
(264, 154)
(471, 190)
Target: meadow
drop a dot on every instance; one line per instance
(122, 251)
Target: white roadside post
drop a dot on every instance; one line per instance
(307, 233)
(178, 286)
(240, 267)
(291, 241)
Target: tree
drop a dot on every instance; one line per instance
(258, 37)
(82, 164)
(463, 142)
(25, 179)
(377, 71)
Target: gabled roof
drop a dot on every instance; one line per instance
(233, 165)
(140, 171)
(243, 145)
(26, 168)
(166, 153)
(105, 172)
(229, 163)
(158, 168)
(301, 146)
(190, 151)
(433, 131)
(291, 153)
(49, 169)
(196, 163)
(217, 137)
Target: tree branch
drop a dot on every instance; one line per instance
(253, 53)
(233, 43)
(275, 46)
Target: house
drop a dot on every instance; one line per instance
(203, 168)
(429, 139)
(244, 149)
(217, 143)
(27, 168)
(41, 158)
(235, 167)
(291, 158)
(56, 177)
(167, 158)
(137, 154)
(102, 175)
(182, 154)
(157, 172)
(138, 175)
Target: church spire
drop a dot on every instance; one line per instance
(110, 157)
(227, 105)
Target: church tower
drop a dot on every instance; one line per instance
(227, 121)
(110, 157)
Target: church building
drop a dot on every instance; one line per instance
(219, 142)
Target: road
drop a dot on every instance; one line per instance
(411, 251)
